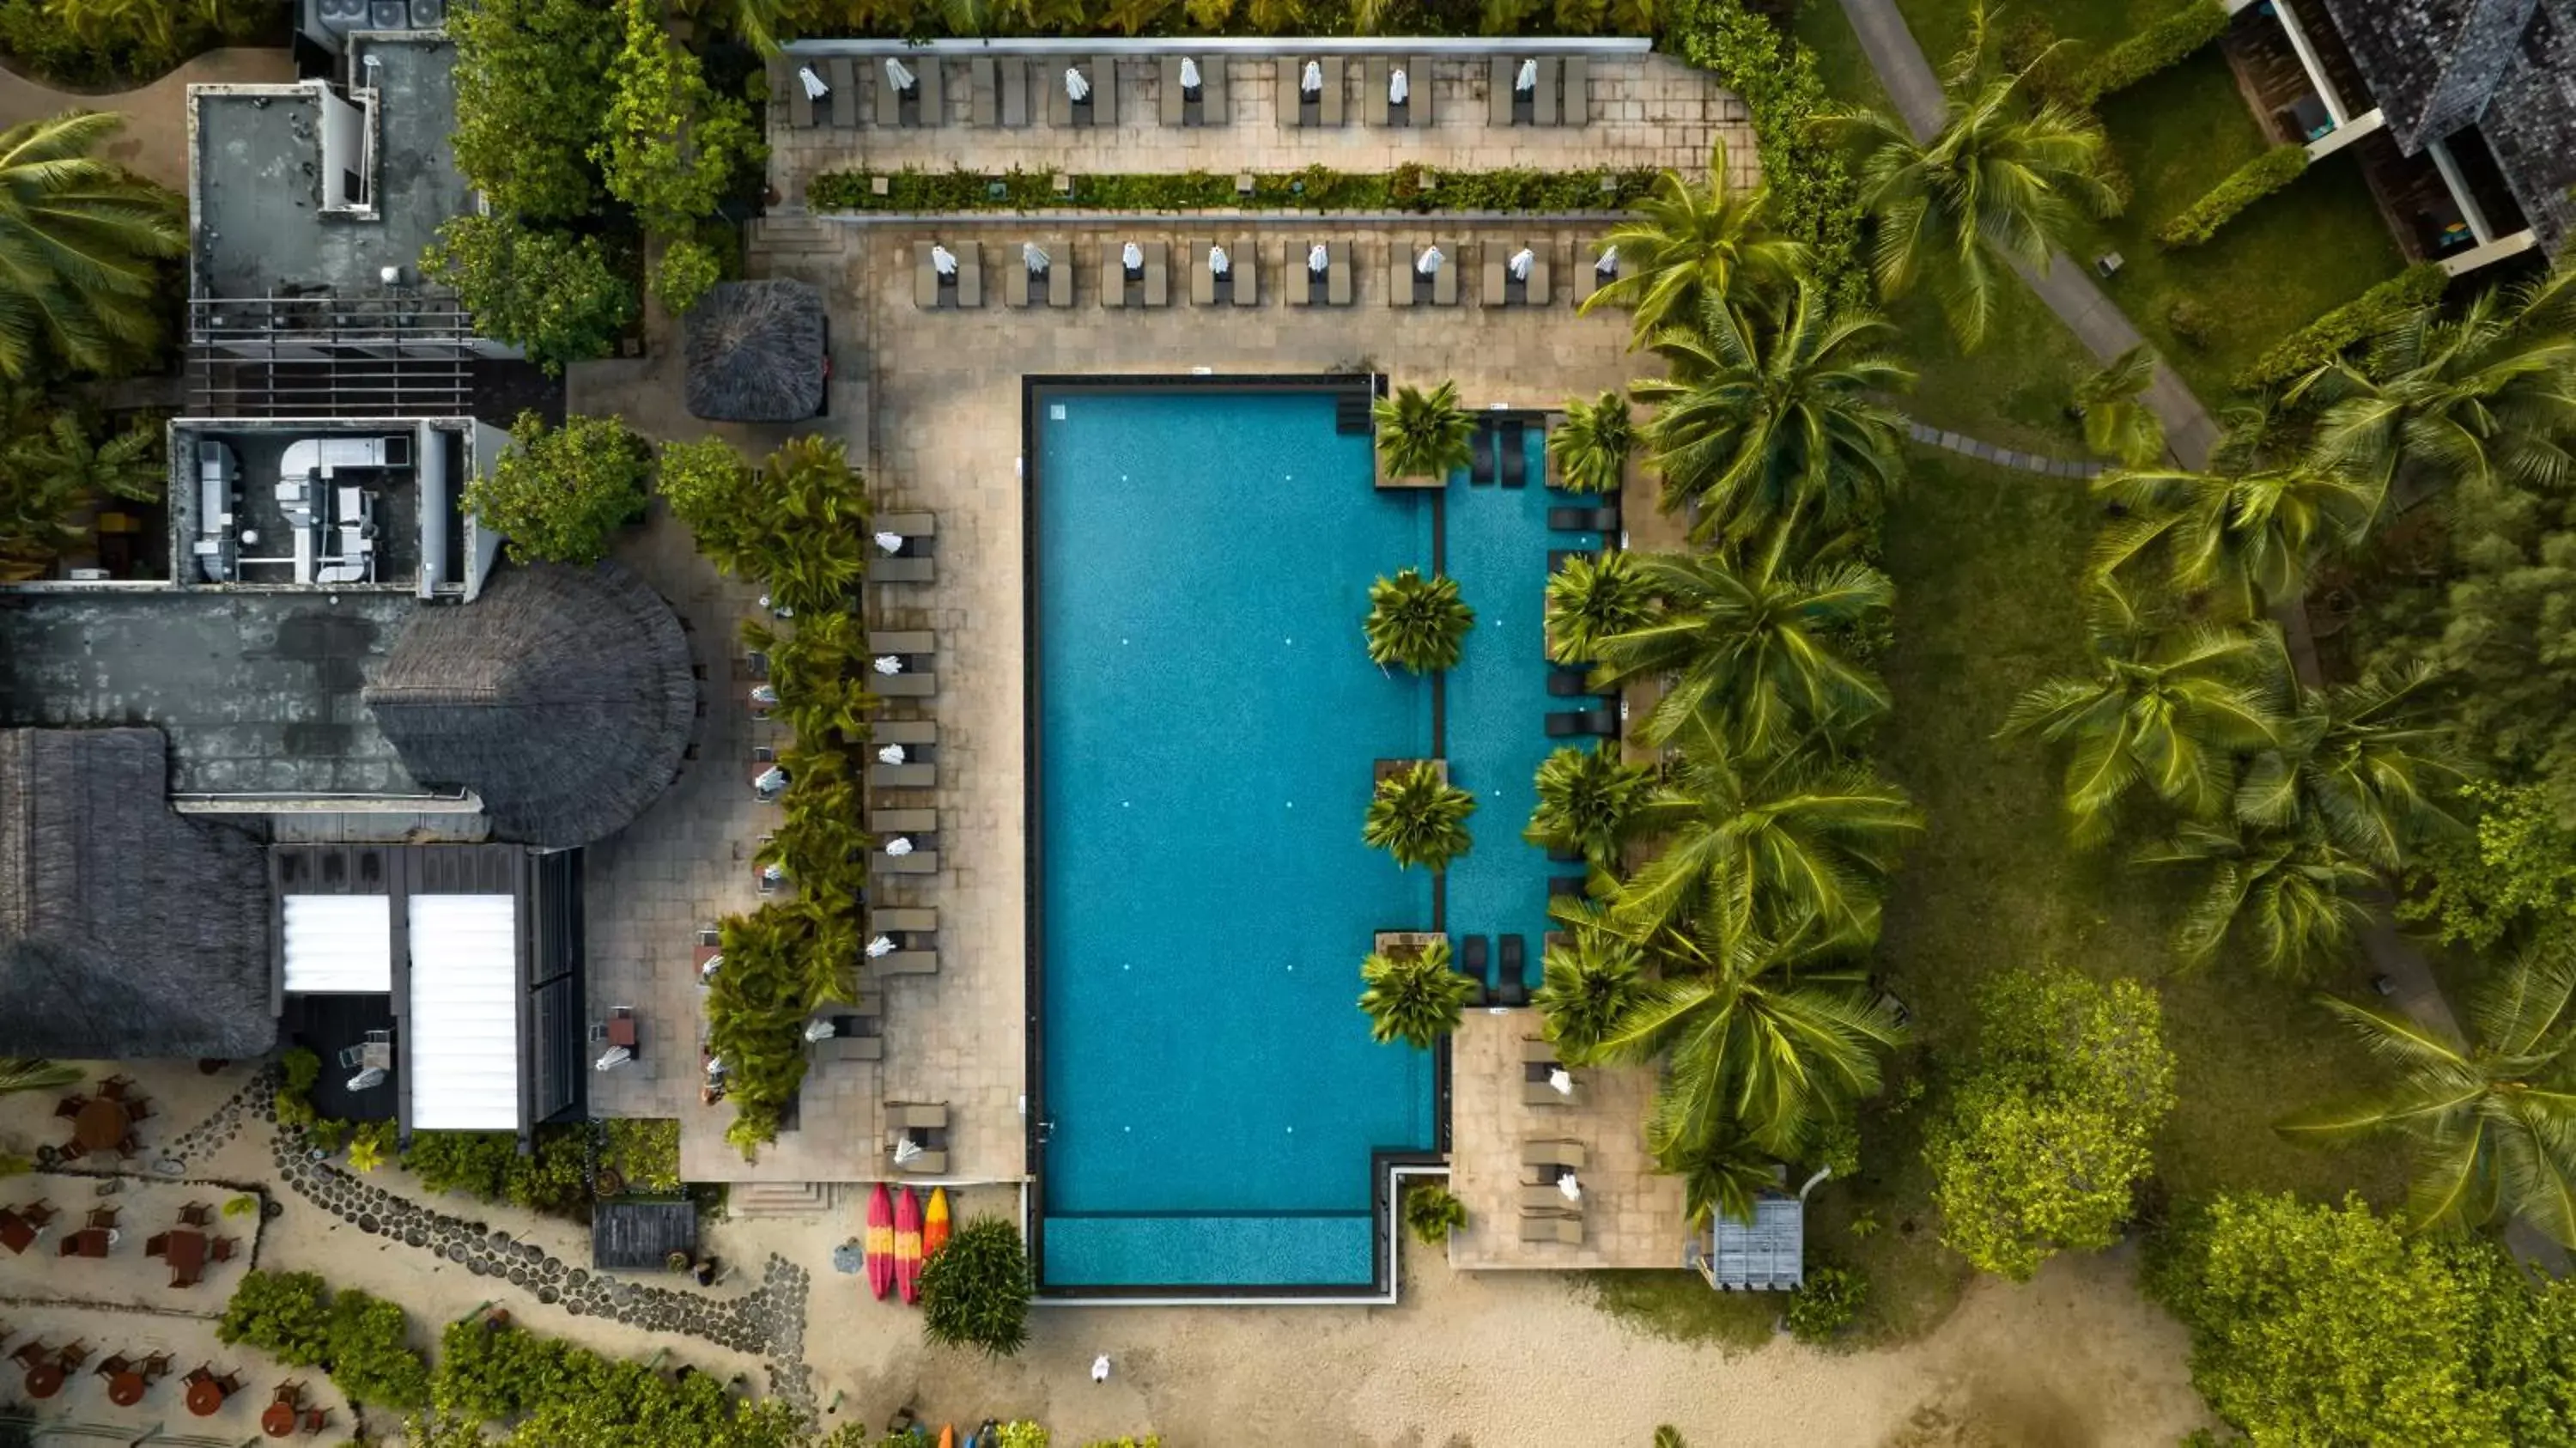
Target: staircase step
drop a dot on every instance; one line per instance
(779, 1199)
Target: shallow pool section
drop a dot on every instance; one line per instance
(1205, 719)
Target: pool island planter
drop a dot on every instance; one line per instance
(1386, 479)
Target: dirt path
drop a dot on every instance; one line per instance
(155, 141)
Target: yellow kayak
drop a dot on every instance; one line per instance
(934, 1224)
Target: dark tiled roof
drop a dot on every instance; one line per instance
(2531, 125)
(641, 1236)
(127, 932)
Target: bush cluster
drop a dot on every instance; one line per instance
(2159, 46)
(487, 1166)
(2243, 186)
(2325, 339)
(975, 1291)
(361, 1341)
(560, 494)
(1408, 188)
(557, 1392)
(112, 47)
(646, 1152)
(1826, 1302)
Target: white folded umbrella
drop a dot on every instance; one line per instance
(819, 1030)
(368, 1079)
(1317, 258)
(1520, 264)
(1189, 74)
(815, 90)
(899, 846)
(889, 542)
(1397, 88)
(707, 972)
(1527, 80)
(888, 664)
(1131, 256)
(942, 260)
(1075, 87)
(771, 780)
(905, 1149)
(612, 1058)
(1312, 82)
(899, 73)
(764, 696)
(879, 948)
(891, 754)
(1033, 256)
(1560, 1081)
(1608, 265)
(1219, 264)
(1573, 1189)
(1429, 263)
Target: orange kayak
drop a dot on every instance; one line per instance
(934, 1224)
(879, 1258)
(948, 1435)
(907, 1245)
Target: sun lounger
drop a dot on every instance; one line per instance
(903, 776)
(906, 731)
(931, 77)
(906, 525)
(983, 92)
(1337, 278)
(906, 962)
(1571, 684)
(1602, 519)
(845, 94)
(1011, 73)
(970, 274)
(898, 919)
(1546, 1200)
(1498, 90)
(1587, 270)
(1113, 274)
(910, 684)
(1480, 453)
(919, 862)
(850, 1048)
(917, 1115)
(1292, 102)
(1543, 106)
(925, 278)
(1515, 454)
(1577, 110)
(1158, 274)
(1496, 288)
(1592, 723)
(1565, 887)
(901, 641)
(1209, 109)
(1551, 1153)
(887, 823)
(1173, 103)
(1552, 1227)
(782, 79)
(1470, 962)
(1539, 1095)
(1101, 111)
(904, 570)
(1511, 972)
(1538, 1051)
(1444, 282)
(1375, 106)
(800, 103)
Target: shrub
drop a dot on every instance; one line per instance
(1022, 1433)
(2365, 316)
(560, 1393)
(532, 86)
(1826, 1302)
(370, 1357)
(557, 297)
(2189, 322)
(297, 1069)
(975, 1291)
(684, 275)
(284, 1314)
(1415, 623)
(487, 1166)
(669, 145)
(646, 1151)
(560, 494)
(2518, 866)
(2244, 186)
(119, 46)
(1432, 1212)
(2163, 44)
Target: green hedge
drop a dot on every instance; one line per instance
(1407, 188)
(2160, 45)
(2244, 186)
(2324, 339)
(1814, 198)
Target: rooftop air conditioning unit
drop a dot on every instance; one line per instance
(343, 15)
(428, 14)
(389, 15)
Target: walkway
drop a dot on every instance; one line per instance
(154, 144)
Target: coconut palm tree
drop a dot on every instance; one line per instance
(1423, 434)
(2166, 708)
(1585, 799)
(2489, 394)
(1753, 651)
(1684, 245)
(1721, 1178)
(54, 471)
(2002, 184)
(1590, 979)
(2494, 1120)
(2238, 542)
(80, 243)
(1417, 623)
(1773, 422)
(1414, 998)
(1590, 598)
(2367, 761)
(2290, 896)
(2117, 424)
(1591, 446)
(1419, 817)
(34, 1073)
(1790, 848)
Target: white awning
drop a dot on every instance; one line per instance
(463, 1067)
(339, 944)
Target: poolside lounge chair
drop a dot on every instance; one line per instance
(967, 290)
(911, 774)
(1552, 1227)
(1337, 277)
(1052, 287)
(920, 862)
(1177, 109)
(907, 731)
(1502, 289)
(1543, 108)
(1566, 887)
(1480, 453)
(1242, 284)
(1602, 519)
(902, 821)
(917, 681)
(1514, 441)
(1377, 72)
(983, 92)
(845, 93)
(1577, 108)
(1586, 723)
(1511, 972)
(1099, 110)
(1548, 1154)
(918, 960)
(902, 919)
(800, 103)
(1294, 109)
(1470, 962)
(930, 106)
(1153, 289)
(1544, 1199)
(1572, 684)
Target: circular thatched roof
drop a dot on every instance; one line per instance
(562, 696)
(756, 352)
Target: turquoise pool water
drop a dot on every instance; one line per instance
(1207, 721)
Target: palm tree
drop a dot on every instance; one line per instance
(1590, 598)
(1585, 800)
(2494, 1122)
(1423, 435)
(1791, 848)
(1684, 245)
(2002, 184)
(2116, 423)
(1591, 979)
(1753, 651)
(79, 243)
(50, 475)
(2366, 761)
(1415, 997)
(1417, 623)
(1419, 817)
(2239, 541)
(2165, 708)
(1770, 422)
(34, 1073)
(2490, 394)
(1721, 1178)
(2289, 895)
(1591, 446)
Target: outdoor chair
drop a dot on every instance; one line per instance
(1175, 105)
(1554, 1153)
(1512, 439)
(1241, 283)
(1377, 77)
(1584, 723)
(31, 1353)
(156, 1367)
(196, 1214)
(114, 1088)
(1577, 108)
(221, 1248)
(1011, 76)
(1602, 519)
(70, 1106)
(1572, 683)
(1546, 1198)
(1552, 1227)
(70, 1358)
(138, 1108)
(1099, 108)
(102, 1219)
(156, 1245)
(1511, 988)
(114, 1363)
(71, 1151)
(315, 1419)
(1567, 887)
(1470, 962)
(1480, 454)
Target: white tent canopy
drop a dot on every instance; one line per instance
(464, 1021)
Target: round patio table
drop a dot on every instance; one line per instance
(278, 1421)
(125, 1389)
(205, 1397)
(44, 1380)
(102, 1124)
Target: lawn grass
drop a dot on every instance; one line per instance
(1987, 568)
(1678, 1306)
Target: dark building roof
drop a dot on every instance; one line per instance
(563, 697)
(126, 931)
(2506, 66)
(755, 352)
(641, 1236)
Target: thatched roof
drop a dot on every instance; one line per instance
(562, 696)
(756, 352)
(127, 932)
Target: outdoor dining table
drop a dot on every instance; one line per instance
(186, 1254)
(44, 1380)
(278, 1421)
(205, 1397)
(102, 1124)
(16, 1232)
(88, 1242)
(126, 1388)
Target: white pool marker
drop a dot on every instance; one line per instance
(1126, 804)
(1055, 412)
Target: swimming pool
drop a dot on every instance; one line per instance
(1210, 1108)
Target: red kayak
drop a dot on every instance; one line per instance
(907, 1245)
(879, 1258)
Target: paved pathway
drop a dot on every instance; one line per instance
(154, 143)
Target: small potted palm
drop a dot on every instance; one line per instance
(1413, 996)
(1417, 623)
(1588, 451)
(1419, 817)
(1422, 437)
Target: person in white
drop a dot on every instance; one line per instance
(1100, 1368)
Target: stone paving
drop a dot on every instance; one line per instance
(1647, 111)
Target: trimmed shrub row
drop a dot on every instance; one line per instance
(2324, 339)
(2160, 45)
(1407, 188)
(2244, 186)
